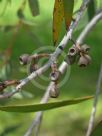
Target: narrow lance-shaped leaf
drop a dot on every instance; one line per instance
(42, 107)
(58, 15)
(20, 14)
(63, 9)
(91, 9)
(34, 7)
(68, 11)
(21, 9)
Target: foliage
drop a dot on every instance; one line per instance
(97, 130)
(61, 11)
(41, 107)
(24, 21)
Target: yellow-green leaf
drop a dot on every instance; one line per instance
(91, 9)
(68, 11)
(58, 15)
(34, 7)
(63, 9)
(42, 107)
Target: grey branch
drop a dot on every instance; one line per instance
(92, 117)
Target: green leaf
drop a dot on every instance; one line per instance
(63, 9)
(20, 13)
(34, 7)
(97, 130)
(10, 129)
(68, 11)
(42, 107)
(58, 15)
(91, 9)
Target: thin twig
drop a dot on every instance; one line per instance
(92, 117)
(38, 117)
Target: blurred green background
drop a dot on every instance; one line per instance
(67, 121)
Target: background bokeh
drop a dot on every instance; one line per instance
(66, 121)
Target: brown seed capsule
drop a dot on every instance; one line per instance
(72, 54)
(70, 59)
(84, 60)
(24, 59)
(85, 48)
(72, 51)
(54, 92)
